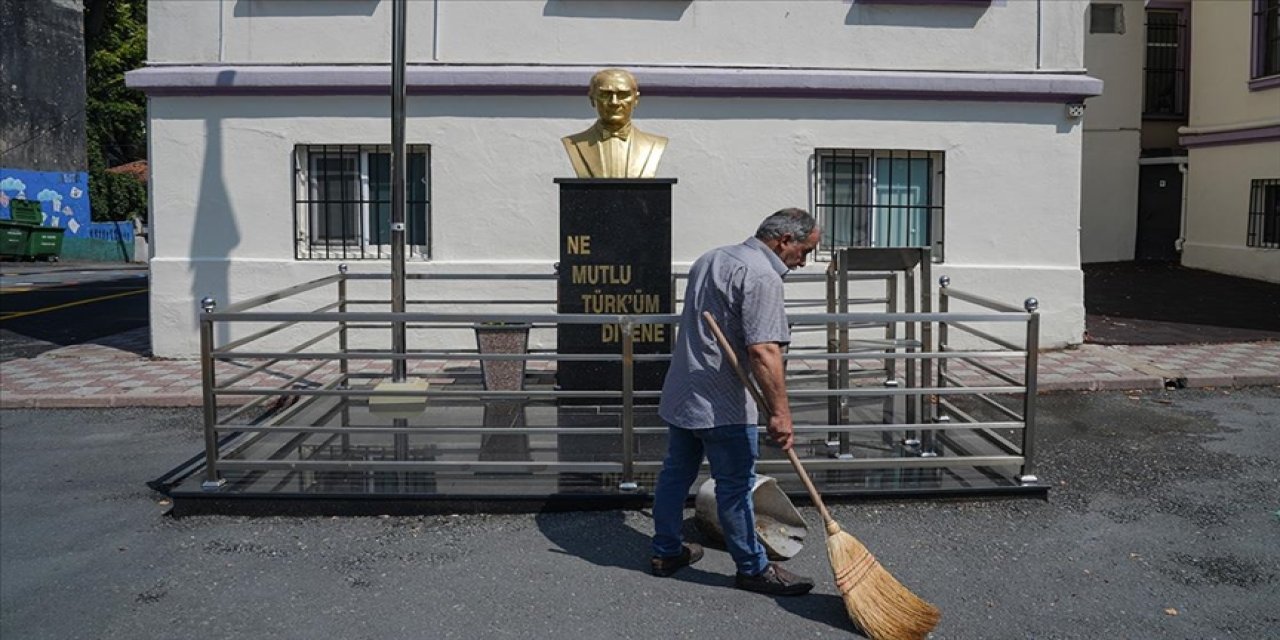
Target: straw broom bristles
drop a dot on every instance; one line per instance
(873, 598)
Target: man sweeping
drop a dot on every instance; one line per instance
(710, 413)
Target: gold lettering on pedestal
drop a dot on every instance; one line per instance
(578, 245)
(601, 274)
(598, 302)
(610, 333)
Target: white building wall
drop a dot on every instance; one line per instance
(1112, 141)
(224, 225)
(1005, 35)
(1220, 177)
(222, 188)
(1221, 36)
(1217, 209)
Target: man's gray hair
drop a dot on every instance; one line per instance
(796, 222)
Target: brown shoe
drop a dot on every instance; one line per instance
(774, 581)
(665, 566)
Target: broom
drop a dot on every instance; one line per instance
(876, 601)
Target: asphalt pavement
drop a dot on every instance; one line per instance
(1150, 303)
(1164, 522)
(46, 306)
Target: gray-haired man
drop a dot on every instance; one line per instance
(710, 413)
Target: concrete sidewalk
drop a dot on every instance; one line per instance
(111, 372)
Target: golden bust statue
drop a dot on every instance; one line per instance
(613, 147)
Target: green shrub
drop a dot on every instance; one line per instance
(116, 196)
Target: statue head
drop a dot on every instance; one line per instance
(614, 94)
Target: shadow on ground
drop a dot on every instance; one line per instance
(1165, 303)
(604, 538)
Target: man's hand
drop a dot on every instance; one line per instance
(781, 432)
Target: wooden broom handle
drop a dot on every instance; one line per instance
(750, 384)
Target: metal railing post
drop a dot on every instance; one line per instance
(944, 306)
(833, 376)
(930, 408)
(212, 481)
(909, 367)
(1029, 395)
(343, 366)
(628, 413)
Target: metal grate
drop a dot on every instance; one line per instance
(1165, 90)
(342, 202)
(879, 198)
(1264, 214)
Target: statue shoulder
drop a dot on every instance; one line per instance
(579, 138)
(650, 139)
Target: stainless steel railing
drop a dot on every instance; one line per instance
(315, 391)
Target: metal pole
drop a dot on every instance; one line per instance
(1029, 399)
(398, 9)
(211, 482)
(842, 343)
(628, 413)
(833, 376)
(344, 369)
(944, 306)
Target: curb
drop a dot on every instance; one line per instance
(1143, 383)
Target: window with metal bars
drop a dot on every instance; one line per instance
(1266, 38)
(1165, 90)
(879, 198)
(1264, 214)
(342, 202)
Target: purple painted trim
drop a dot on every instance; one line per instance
(662, 81)
(934, 2)
(1242, 136)
(1262, 84)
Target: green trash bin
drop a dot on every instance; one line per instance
(29, 239)
(13, 238)
(45, 242)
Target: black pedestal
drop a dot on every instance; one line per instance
(615, 259)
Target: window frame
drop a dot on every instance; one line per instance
(866, 211)
(363, 243)
(1181, 63)
(1263, 231)
(1260, 76)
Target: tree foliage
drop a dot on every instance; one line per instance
(115, 41)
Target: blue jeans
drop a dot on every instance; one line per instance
(732, 451)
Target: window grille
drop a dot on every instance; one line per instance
(1165, 92)
(342, 202)
(1264, 214)
(1266, 20)
(879, 198)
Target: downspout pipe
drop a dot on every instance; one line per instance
(1182, 214)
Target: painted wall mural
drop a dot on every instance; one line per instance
(63, 196)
